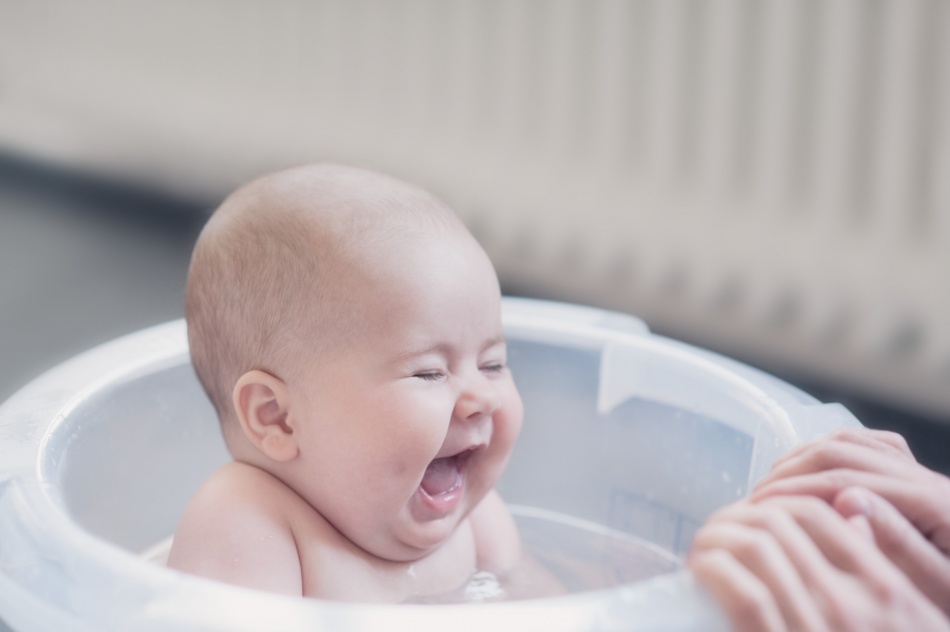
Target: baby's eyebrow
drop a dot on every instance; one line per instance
(444, 348)
(495, 341)
(440, 348)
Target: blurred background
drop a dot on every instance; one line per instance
(767, 179)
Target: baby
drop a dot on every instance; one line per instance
(347, 328)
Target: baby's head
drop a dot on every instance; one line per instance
(347, 329)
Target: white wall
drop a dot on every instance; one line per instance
(768, 177)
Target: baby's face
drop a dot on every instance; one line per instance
(411, 424)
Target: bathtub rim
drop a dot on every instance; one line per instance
(26, 485)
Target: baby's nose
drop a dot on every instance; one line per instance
(479, 398)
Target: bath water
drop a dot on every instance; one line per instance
(579, 554)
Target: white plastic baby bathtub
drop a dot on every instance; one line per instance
(630, 441)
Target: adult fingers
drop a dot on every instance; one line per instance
(815, 585)
(785, 520)
(849, 583)
(834, 538)
(880, 441)
(926, 566)
(897, 441)
(760, 555)
(871, 592)
(920, 497)
(746, 601)
(831, 454)
(826, 484)
(862, 527)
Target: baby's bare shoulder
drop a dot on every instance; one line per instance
(238, 490)
(237, 529)
(242, 483)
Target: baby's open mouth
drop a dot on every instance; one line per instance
(444, 475)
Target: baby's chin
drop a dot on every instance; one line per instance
(412, 545)
(422, 538)
(413, 539)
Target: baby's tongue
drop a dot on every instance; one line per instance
(441, 476)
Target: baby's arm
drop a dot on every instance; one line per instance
(498, 550)
(236, 531)
(497, 543)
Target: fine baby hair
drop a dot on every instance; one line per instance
(266, 272)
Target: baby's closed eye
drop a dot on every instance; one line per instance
(430, 376)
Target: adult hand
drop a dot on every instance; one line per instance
(794, 563)
(873, 473)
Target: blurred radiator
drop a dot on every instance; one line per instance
(771, 178)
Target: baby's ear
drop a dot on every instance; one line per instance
(262, 404)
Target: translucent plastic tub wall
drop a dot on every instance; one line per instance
(637, 433)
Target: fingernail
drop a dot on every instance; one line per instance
(860, 523)
(858, 501)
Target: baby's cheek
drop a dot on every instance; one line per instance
(512, 414)
(417, 437)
